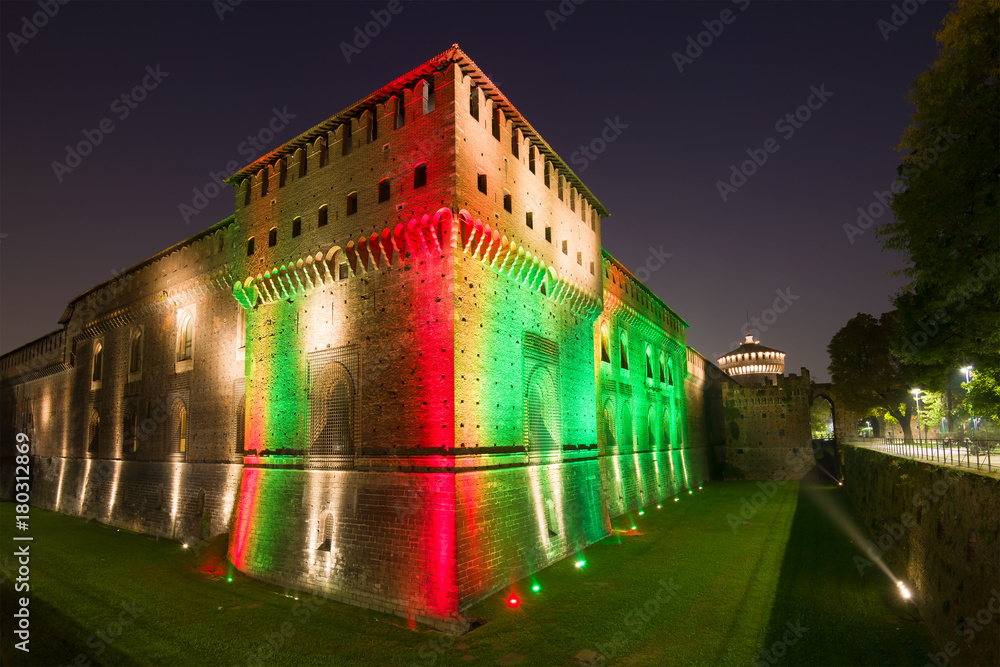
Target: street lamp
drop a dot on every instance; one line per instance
(916, 395)
(968, 378)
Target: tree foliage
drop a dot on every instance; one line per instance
(946, 199)
(867, 375)
(983, 395)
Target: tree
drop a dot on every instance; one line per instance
(983, 395)
(868, 375)
(821, 419)
(946, 200)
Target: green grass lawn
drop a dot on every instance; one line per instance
(686, 587)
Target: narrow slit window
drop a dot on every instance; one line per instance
(263, 182)
(496, 123)
(272, 237)
(579, 257)
(372, 126)
(531, 159)
(560, 186)
(324, 154)
(352, 203)
(383, 190)
(565, 247)
(303, 161)
(545, 169)
(481, 182)
(348, 143)
(246, 192)
(420, 176)
(474, 102)
(296, 227)
(529, 219)
(508, 204)
(282, 172)
(322, 219)
(548, 233)
(249, 246)
(515, 146)
(572, 199)
(428, 96)
(400, 110)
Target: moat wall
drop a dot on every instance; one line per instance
(938, 529)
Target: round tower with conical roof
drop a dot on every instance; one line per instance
(751, 363)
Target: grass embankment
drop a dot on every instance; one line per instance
(688, 586)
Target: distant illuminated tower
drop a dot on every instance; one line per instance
(751, 363)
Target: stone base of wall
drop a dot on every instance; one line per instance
(937, 529)
(754, 462)
(632, 481)
(181, 501)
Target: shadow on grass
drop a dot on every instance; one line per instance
(52, 633)
(825, 612)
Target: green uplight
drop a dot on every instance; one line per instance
(580, 563)
(633, 527)
(229, 579)
(659, 507)
(699, 487)
(676, 499)
(690, 491)
(642, 512)
(536, 588)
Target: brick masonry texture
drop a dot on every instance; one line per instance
(403, 374)
(936, 528)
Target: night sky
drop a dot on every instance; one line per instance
(680, 132)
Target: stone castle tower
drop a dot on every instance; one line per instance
(404, 374)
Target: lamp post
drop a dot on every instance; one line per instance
(916, 395)
(968, 378)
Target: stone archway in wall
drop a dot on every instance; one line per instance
(826, 451)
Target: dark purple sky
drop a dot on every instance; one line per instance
(781, 230)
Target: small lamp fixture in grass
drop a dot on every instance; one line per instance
(513, 601)
(536, 588)
(904, 591)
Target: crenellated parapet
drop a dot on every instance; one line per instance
(510, 259)
(626, 296)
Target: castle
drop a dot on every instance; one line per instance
(404, 374)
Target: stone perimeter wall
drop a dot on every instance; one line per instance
(938, 529)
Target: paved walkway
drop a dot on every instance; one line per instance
(956, 457)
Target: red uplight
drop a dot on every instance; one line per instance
(513, 601)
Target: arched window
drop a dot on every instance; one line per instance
(667, 422)
(135, 352)
(651, 428)
(98, 370)
(325, 532)
(542, 428)
(296, 226)
(420, 175)
(185, 339)
(322, 217)
(383, 190)
(628, 435)
(332, 413)
(352, 203)
(130, 430)
(94, 433)
(272, 237)
(241, 425)
(663, 372)
(179, 428)
(623, 351)
(610, 440)
(605, 344)
(649, 363)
